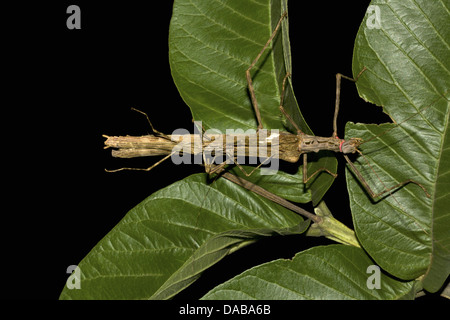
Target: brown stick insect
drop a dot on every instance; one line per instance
(274, 145)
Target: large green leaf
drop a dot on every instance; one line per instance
(163, 244)
(211, 44)
(330, 272)
(405, 46)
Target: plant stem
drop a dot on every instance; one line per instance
(331, 228)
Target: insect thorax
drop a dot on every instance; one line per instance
(350, 145)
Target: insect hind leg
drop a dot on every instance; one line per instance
(249, 77)
(157, 133)
(141, 169)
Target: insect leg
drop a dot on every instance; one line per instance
(386, 190)
(338, 96)
(143, 169)
(158, 133)
(288, 117)
(249, 78)
(305, 170)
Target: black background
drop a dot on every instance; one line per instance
(65, 88)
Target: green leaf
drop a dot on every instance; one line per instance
(164, 243)
(405, 46)
(329, 272)
(211, 45)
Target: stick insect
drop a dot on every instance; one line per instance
(290, 146)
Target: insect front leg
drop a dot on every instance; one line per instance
(369, 190)
(339, 76)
